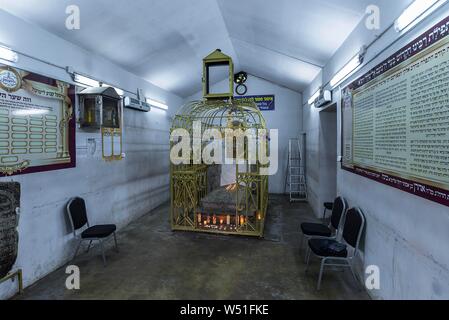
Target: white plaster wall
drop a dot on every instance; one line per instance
(406, 236)
(286, 118)
(115, 192)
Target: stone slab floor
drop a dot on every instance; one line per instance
(156, 263)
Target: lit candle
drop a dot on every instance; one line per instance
(221, 220)
(228, 219)
(242, 220)
(214, 219)
(199, 218)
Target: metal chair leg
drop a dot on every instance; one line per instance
(324, 214)
(308, 259)
(115, 241)
(321, 274)
(88, 247)
(102, 253)
(77, 249)
(354, 275)
(307, 252)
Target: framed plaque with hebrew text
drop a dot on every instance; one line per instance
(395, 119)
(37, 122)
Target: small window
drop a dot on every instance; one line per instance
(215, 75)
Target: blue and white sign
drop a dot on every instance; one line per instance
(263, 102)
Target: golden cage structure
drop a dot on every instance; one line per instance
(200, 202)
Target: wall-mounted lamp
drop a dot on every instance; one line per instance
(348, 68)
(120, 92)
(89, 82)
(8, 54)
(85, 81)
(314, 97)
(157, 104)
(417, 11)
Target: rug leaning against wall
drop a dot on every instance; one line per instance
(9, 219)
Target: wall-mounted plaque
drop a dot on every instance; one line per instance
(37, 123)
(395, 119)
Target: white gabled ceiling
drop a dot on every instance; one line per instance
(163, 41)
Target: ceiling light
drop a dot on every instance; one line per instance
(85, 81)
(416, 10)
(8, 55)
(157, 104)
(314, 97)
(347, 70)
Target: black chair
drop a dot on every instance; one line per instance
(318, 230)
(327, 206)
(335, 253)
(76, 208)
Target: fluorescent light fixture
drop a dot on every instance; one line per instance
(346, 70)
(119, 91)
(416, 10)
(8, 55)
(157, 104)
(314, 97)
(29, 112)
(85, 81)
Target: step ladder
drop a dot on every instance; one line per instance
(295, 182)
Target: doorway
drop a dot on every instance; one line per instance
(328, 154)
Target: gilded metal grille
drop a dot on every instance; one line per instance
(188, 182)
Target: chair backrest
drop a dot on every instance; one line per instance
(353, 227)
(76, 208)
(338, 210)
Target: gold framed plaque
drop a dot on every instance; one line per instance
(37, 124)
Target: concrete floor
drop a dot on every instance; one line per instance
(155, 263)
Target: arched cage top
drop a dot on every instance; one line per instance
(220, 115)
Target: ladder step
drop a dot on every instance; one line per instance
(295, 180)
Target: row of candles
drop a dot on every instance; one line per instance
(214, 220)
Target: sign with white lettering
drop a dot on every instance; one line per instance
(263, 102)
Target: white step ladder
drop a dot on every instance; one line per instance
(295, 182)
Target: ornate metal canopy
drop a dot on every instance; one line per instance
(198, 201)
